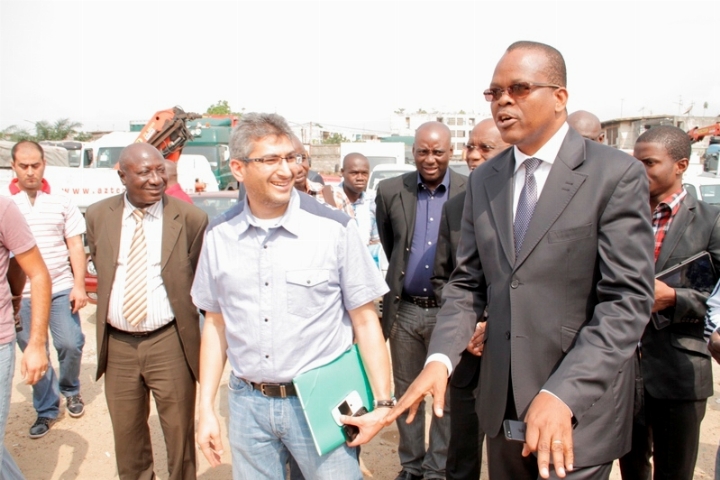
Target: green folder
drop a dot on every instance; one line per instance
(321, 390)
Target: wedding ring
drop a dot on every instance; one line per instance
(557, 441)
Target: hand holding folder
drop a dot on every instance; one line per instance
(322, 390)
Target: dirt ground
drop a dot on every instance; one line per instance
(83, 448)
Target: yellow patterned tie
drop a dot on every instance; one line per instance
(135, 301)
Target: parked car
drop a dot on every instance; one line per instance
(212, 203)
(460, 167)
(705, 187)
(384, 171)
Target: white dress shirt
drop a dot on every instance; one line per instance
(159, 311)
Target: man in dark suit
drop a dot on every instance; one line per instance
(674, 360)
(148, 334)
(408, 210)
(465, 447)
(554, 242)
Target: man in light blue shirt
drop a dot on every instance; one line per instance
(287, 285)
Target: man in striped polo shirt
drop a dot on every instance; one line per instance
(57, 225)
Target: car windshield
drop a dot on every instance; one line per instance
(461, 168)
(209, 152)
(214, 206)
(378, 176)
(108, 156)
(710, 194)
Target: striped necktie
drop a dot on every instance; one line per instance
(526, 203)
(135, 300)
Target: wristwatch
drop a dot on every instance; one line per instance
(385, 403)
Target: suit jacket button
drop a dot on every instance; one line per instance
(507, 335)
(514, 284)
(397, 297)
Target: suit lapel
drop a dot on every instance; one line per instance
(170, 230)
(685, 215)
(408, 198)
(560, 187)
(113, 227)
(457, 184)
(499, 188)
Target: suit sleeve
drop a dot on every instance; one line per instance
(90, 232)
(691, 303)
(385, 230)
(465, 294)
(625, 293)
(444, 258)
(197, 241)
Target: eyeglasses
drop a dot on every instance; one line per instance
(274, 160)
(483, 147)
(422, 153)
(516, 90)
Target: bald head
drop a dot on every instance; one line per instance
(136, 152)
(352, 158)
(587, 125)
(433, 129)
(171, 172)
(484, 143)
(142, 171)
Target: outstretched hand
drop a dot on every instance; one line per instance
(432, 381)
(549, 431)
(476, 345)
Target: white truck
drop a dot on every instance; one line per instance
(377, 153)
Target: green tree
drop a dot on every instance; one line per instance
(335, 139)
(15, 134)
(62, 129)
(222, 107)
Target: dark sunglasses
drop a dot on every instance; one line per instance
(516, 90)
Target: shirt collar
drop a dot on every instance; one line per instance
(14, 189)
(153, 210)
(313, 188)
(547, 152)
(289, 220)
(445, 182)
(673, 200)
(361, 198)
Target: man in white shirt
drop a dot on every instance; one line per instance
(57, 225)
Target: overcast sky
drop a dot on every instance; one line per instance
(104, 63)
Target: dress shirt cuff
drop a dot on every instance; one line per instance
(566, 405)
(439, 357)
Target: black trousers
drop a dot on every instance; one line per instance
(505, 460)
(466, 440)
(670, 433)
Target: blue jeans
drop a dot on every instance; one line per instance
(8, 468)
(68, 340)
(409, 341)
(264, 431)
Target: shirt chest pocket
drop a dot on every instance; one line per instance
(307, 291)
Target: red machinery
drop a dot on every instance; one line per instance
(696, 134)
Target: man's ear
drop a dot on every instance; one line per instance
(121, 174)
(561, 99)
(237, 168)
(681, 166)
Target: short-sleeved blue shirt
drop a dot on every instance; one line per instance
(284, 293)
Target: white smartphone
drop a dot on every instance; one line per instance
(349, 406)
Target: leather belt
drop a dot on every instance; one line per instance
(142, 334)
(423, 302)
(275, 390)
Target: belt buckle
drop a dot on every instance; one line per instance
(282, 388)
